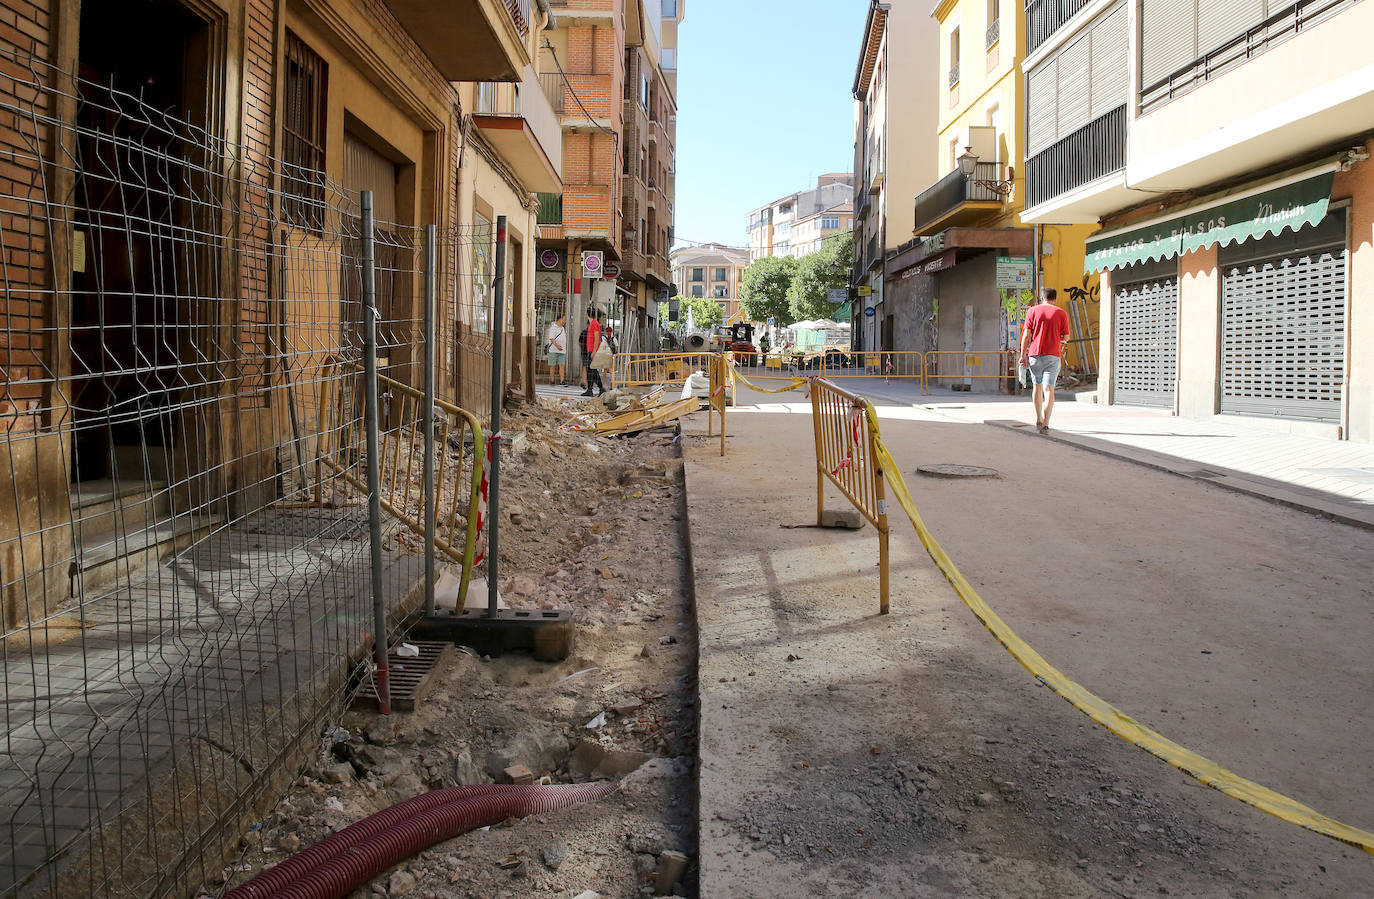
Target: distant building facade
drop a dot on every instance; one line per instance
(770, 227)
(712, 271)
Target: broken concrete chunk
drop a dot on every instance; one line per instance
(553, 855)
(671, 864)
(592, 761)
(842, 518)
(380, 731)
(338, 774)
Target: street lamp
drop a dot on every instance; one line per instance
(968, 164)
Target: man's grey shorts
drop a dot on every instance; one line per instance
(1044, 370)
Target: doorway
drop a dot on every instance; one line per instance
(143, 100)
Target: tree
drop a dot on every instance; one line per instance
(818, 273)
(763, 293)
(705, 313)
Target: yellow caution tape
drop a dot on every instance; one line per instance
(793, 382)
(1097, 708)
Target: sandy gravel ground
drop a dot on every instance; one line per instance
(909, 755)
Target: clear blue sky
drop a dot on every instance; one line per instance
(764, 106)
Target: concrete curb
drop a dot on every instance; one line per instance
(1302, 499)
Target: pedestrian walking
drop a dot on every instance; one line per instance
(1043, 336)
(556, 345)
(590, 346)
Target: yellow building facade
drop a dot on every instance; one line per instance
(982, 112)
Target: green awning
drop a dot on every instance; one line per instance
(1268, 212)
(844, 312)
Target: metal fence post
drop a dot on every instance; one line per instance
(431, 254)
(498, 339)
(374, 470)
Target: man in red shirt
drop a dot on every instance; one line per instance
(1042, 344)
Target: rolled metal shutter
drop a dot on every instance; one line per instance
(1110, 76)
(1145, 342)
(1283, 334)
(1168, 37)
(1042, 105)
(1075, 79)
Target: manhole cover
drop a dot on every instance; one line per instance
(952, 470)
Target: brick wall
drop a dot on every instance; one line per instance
(24, 311)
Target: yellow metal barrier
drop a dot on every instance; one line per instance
(956, 365)
(401, 458)
(719, 369)
(648, 369)
(1098, 709)
(846, 430)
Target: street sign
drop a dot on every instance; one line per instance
(865, 290)
(1015, 272)
(548, 258)
(591, 263)
(837, 294)
(870, 311)
(612, 270)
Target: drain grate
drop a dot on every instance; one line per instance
(412, 677)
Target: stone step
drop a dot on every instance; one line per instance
(100, 509)
(112, 558)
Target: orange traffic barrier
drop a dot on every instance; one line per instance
(846, 428)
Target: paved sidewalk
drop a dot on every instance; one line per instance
(846, 753)
(1334, 478)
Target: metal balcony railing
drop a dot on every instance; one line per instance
(954, 190)
(551, 83)
(994, 33)
(1045, 17)
(1095, 150)
(954, 74)
(520, 12)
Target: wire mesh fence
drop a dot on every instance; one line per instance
(185, 584)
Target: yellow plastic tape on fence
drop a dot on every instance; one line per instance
(792, 383)
(1097, 708)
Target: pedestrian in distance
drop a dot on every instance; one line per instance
(1043, 336)
(590, 345)
(612, 346)
(556, 345)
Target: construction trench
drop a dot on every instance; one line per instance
(843, 752)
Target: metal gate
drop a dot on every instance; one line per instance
(1283, 324)
(1145, 342)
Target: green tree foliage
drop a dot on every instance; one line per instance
(763, 292)
(817, 273)
(706, 313)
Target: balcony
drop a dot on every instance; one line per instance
(993, 35)
(470, 40)
(552, 85)
(1094, 151)
(524, 129)
(1045, 17)
(954, 74)
(1290, 20)
(956, 200)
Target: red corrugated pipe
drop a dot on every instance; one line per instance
(356, 854)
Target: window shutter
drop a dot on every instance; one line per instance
(1168, 37)
(1041, 103)
(1109, 75)
(1074, 82)
(1220, 20)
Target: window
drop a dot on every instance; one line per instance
(994, 118)
(954, 57)
(830, 222)
(953, 153)
(670, 9)
(669, 60)
(994, 32)
(720, 275)
(303, 126)
(644, 91)
(720, 291)
(698, 274)
(483, 248)
(698, 290)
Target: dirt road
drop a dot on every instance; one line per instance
(847, 754)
